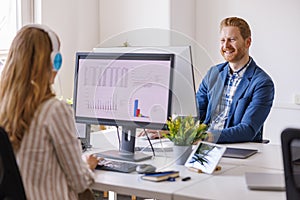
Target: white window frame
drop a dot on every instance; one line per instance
(25, 11)
(25, 15)
(30, 11)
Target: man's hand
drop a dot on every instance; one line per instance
(210, 137)
(153, 134)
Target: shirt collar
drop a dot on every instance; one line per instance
(241, 71)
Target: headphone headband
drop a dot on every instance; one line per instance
(56, 57)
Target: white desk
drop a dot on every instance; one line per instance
(268, 156)
(229, 183)
(131, 184)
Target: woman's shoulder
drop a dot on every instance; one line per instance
(54, 110)
(55, 102)
(55, 105)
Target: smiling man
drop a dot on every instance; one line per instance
(235, 97)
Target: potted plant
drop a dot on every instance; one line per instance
(184, 131)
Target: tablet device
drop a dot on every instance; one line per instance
(239, 152)
(205, 157)
(265, 181)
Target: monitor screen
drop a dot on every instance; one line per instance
(128, 90)
(183, 85)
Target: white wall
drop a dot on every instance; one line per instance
(77, 24)
(83, 25)
(275, 47)
(139, 22)
(151, 23)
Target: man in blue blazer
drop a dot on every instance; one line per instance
(235, 97)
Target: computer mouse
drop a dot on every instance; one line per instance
(145, 168)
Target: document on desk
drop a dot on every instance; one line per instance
(159, 145)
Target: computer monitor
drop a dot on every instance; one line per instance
(128, 90)
(183, 86)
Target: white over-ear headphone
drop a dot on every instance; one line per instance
(56, 57)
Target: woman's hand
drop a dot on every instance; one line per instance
(92, 161)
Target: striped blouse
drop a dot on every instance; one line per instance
(49, 158)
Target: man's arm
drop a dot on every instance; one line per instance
(250, 112)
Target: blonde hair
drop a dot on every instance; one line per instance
(241, 24)
(25, 81)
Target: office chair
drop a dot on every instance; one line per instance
(11, 185)
(290, 144)
(260, 139)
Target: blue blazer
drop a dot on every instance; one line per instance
(250, 107)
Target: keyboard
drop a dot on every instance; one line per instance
(116, 166)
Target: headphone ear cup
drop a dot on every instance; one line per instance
(56, 59)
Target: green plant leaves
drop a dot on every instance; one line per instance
(185, 130)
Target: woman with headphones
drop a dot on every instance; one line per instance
(40, 127)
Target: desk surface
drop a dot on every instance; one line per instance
(229, 183)
(268, 156)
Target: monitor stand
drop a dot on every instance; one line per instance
(127, 147)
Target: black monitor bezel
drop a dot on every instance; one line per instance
(129, 56)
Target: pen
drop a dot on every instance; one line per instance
(186, 178)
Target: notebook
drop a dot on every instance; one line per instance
(265, 181)
(161, 176)
(239, 152)
(205, 157)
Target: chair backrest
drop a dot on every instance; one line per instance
(260, 139)
(265, 141)
(290, 144)
(11, 185)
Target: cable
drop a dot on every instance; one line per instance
(160, 140)
(149, 142)
(119, 140)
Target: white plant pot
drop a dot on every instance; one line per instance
(181, 153)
